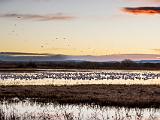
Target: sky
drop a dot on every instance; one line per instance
(80, 27)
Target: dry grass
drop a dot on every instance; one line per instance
(113, 95)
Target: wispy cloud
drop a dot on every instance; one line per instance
(149, 1)
(22, 53)
(156, 50)
(142, 10)
(23, 0)
(37, 17)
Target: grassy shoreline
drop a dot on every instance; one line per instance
(141, 96)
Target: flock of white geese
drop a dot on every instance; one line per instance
(80, 76)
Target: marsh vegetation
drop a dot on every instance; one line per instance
(104, 95)
(40, 95)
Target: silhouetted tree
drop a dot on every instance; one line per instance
(32, 65)
(127, 63)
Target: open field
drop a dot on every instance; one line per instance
(104, 95)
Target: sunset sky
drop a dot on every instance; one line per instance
(80, 27)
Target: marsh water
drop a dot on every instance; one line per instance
(74, 77)
(27, 110)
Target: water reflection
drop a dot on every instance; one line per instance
(27, 110)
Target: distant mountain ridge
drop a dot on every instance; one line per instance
(17, 56)
(149, 61)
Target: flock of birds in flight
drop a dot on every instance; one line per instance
(46, 45)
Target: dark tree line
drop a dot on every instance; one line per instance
(125, 64)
